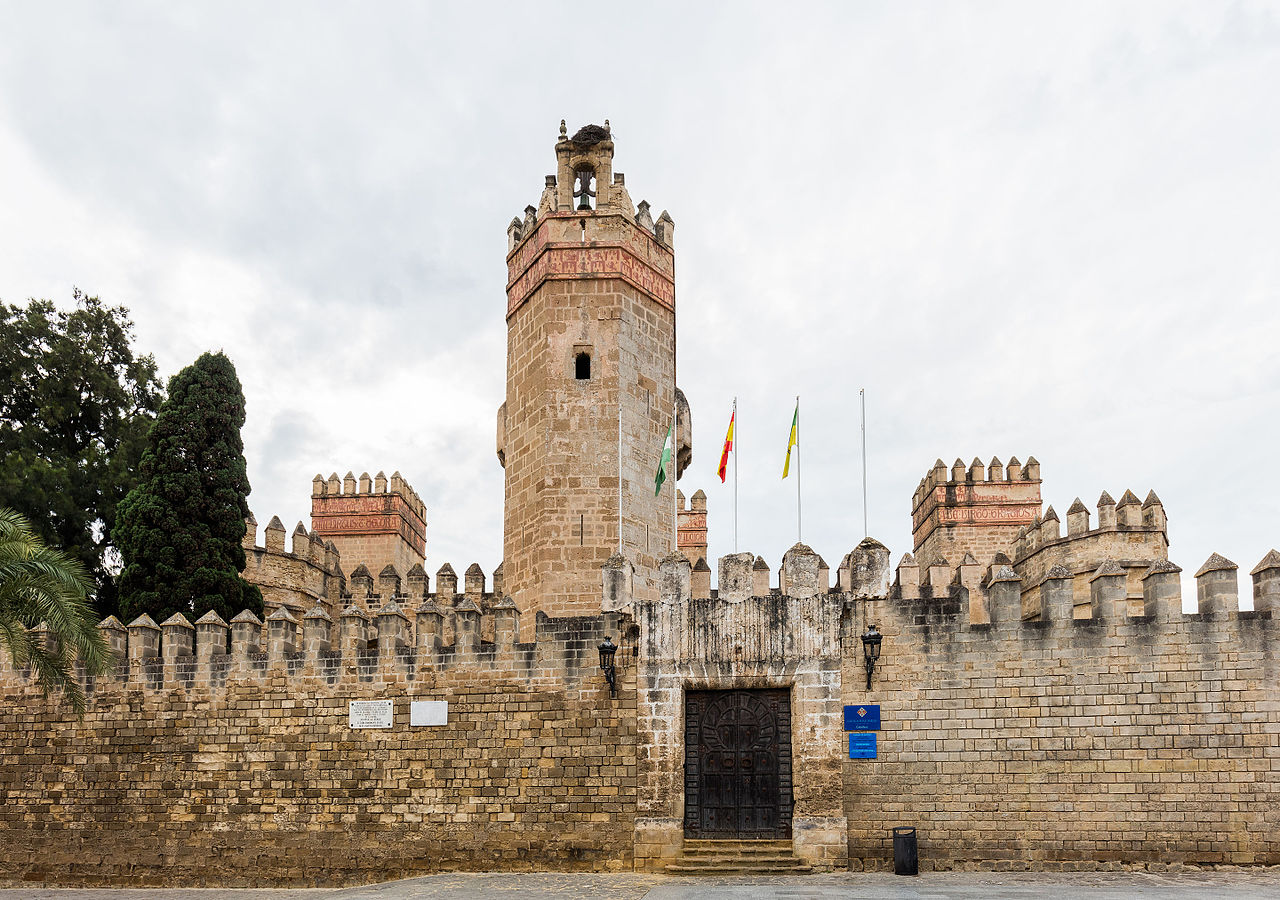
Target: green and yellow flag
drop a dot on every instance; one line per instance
(793, 440)
(665, 461)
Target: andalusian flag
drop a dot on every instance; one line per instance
(794, 440)
(728, 444)
(661, 475)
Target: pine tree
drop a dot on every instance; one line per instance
(76, 403)
(180, 529)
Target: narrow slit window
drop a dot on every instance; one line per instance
(582, 366)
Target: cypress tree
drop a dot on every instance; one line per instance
(180, 529)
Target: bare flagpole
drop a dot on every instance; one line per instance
(862, 398)
(799, 519)
(734, 448)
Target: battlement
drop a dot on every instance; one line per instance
(974, 509)
(397, 642)
(308, 574)
(996, 595)
(1133, 534)
(374, 522)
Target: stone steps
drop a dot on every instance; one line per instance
(737, 857)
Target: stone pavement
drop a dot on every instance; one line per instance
(1229, 884)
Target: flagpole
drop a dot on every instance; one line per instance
(862, 398)
(734, 419)
(799, 518)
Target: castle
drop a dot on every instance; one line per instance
(1042, 699)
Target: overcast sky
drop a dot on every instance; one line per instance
(1024, 229)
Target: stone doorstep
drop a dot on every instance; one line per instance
(737, 857)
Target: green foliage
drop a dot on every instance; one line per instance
(75, 408)
(180, 529)
(40, 585)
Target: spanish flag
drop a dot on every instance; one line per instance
(728, 444)
(794, 440)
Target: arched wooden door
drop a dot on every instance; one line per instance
(737, 764)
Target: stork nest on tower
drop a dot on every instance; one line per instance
(590, 135)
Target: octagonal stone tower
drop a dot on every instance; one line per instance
(591, 358)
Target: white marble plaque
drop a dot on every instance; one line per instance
(429, 712)
(370, 713)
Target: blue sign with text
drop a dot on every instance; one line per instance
(862, 718)
(862, 745)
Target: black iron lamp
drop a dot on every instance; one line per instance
(870, 650)
(607, 649)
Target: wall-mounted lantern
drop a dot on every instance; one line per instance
(870, 650)
(607, 649)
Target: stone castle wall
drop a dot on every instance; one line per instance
(1128, 737)
(241, 769)
(308, 574)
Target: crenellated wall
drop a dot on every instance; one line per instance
(195, 765)
(1130, 736)
(1132, 534)
(307, 575)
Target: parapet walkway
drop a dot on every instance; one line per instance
(1223, 884)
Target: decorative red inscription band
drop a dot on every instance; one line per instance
(598, 262)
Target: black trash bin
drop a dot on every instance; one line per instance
(906, 859)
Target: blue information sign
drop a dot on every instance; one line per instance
(862, 745)
(862, 718)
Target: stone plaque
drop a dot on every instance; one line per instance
(369, 714)
(428, 712)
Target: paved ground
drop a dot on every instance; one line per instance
(1234, 884)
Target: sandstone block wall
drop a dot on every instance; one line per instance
(240, 769)
(307, 575)
(1065, 742)
(560, 442)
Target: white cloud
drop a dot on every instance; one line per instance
(1024, 231)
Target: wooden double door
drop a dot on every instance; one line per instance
(737, 766)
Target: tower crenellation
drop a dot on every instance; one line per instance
(374, 521)
(973, 508)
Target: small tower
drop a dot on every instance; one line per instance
(975, 509)
(374, 522)
(590, 354)
(691, 531)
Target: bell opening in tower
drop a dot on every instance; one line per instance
(586, 178)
